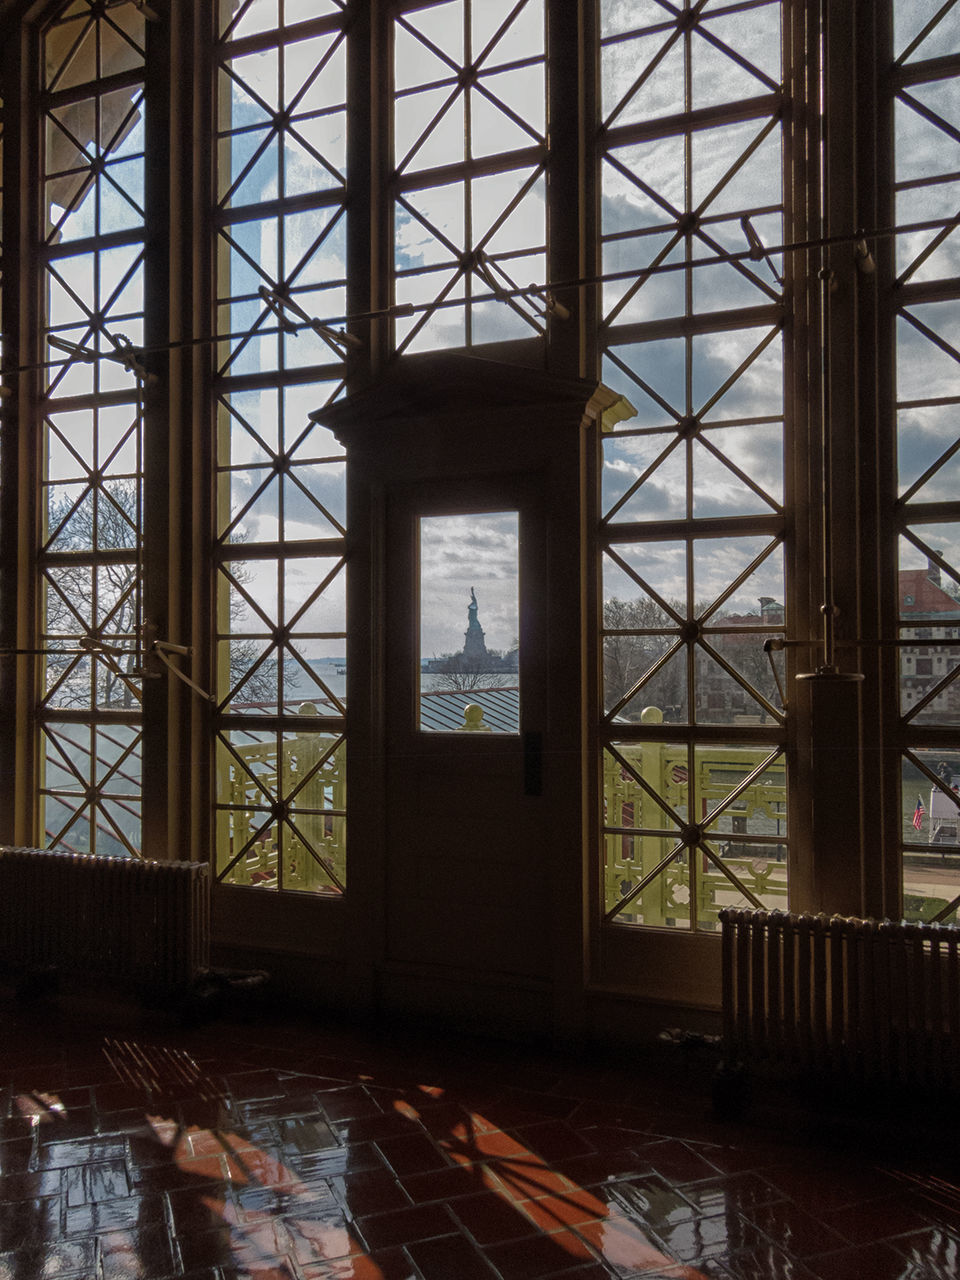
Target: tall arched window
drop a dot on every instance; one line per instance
(926, 304)
(692, 503)
(280, 249)
(89, 257)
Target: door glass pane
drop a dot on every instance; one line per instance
(469, 615)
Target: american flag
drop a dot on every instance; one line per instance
(918, 813)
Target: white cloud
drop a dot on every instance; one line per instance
(460, 552)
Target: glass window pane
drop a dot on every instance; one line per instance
(469, 574)
(91, 486)
(305, 774)
(690, 831)
(685, 617)
(930, 825)
(470, 86)
(928, 393)
(280, 251)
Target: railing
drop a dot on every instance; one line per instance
(640, 836)
(297, 813)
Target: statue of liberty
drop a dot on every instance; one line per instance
(474, 644)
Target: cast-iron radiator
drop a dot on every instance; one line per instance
(868, 1001)
(142, 925)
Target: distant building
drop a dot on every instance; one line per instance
(937, 616)
(722, 698)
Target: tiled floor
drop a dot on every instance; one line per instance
(278, 1149)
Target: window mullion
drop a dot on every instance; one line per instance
(841, 789)
(370, 145)
(17, 464)
(572, 110)
(163, 487)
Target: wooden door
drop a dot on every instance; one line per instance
(464, 726)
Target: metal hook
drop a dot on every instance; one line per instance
(864, 258)
(758, 250)
(124, 352)
(276, 301)
(540, 300)
(775, 644)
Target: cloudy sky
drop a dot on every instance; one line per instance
(460, 552)
(717, 563)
